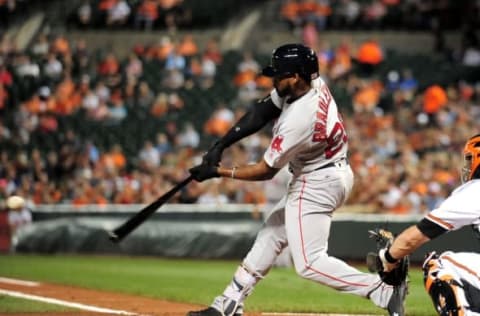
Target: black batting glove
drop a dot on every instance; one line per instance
(213, 156)
(204, 172)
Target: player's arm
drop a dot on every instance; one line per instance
(413, 237)
(252, 121)
(254, 172)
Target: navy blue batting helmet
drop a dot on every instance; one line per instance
(293, 59)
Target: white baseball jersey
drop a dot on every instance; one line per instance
(461, 208)
(309, 132)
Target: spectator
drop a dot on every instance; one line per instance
(187, 46)
(212, 51)
(212, 194)
(118, 14)
(81, 59)
(134, 67)
(316, 12)
(149, 157)
(145, 96)
(373, 14)
(60, 46)
(174, 79)
(248, 68)
(208, 72)
(117, 112)
(5, 134)
(175, 61)
(26, 68)
(109, 66)
(6, 78)
(369, 55)
(162, 144)
(289, 12)
(220, 121)
(147, 14)
(104, 7)
(84, 14)
(53, 68)
(310, 34)
(348, 13)
(160, 105)
(434, 98)
(189, 137)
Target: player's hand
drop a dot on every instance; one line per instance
(386, 266)
(204, 172)
(213, 156)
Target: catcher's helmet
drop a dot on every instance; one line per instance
(290, 59)
(471, 159)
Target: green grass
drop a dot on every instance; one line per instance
(10, 304)
(196, 281)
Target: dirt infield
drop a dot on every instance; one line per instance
(130, 304)
(95, 303)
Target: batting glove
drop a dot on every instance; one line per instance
(204, 172)
(213, 156)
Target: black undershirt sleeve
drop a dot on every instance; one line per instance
(430, 229)
(256, 117)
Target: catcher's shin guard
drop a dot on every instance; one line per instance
(444, 298)
(447, 294)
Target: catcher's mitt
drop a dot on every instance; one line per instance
(384, 239)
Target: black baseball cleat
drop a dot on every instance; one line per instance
(396, 304)
(210, 311)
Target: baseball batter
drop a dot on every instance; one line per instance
(452, 279)
(310, 137)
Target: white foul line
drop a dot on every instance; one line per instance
(65, 303)
(18, 282)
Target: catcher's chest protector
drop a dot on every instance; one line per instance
(451, 295)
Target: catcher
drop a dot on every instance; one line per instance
(451, 279)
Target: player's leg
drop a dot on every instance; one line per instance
(270, 241)
(312, 199)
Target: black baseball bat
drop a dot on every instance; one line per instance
(133, 222)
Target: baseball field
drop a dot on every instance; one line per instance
(96, 285)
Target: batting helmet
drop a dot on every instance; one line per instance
(471, 159)
(293, 59)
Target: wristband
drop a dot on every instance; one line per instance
(389, 257)
(232, 175)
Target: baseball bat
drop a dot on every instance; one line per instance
(133, 222)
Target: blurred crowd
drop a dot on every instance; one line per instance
(322, 14)
(378, 14)
(404, 151)
(139, 14)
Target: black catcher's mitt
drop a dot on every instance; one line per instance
(397, 275)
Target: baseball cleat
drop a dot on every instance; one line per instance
(210, 311)
(395, 305)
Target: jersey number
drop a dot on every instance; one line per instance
(335, 139)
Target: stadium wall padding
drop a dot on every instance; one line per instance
(208, 236)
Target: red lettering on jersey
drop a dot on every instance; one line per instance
(277, 144)
(325, 99)
(318, 137)
(321, 116)
(320, 127)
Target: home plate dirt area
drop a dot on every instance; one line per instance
(92, 302)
